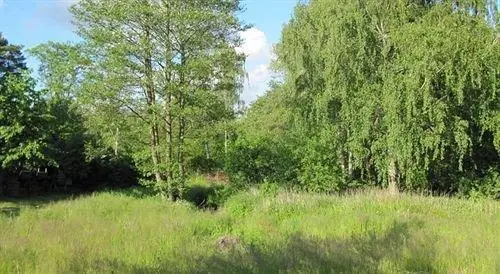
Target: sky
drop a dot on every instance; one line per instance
(31, 22)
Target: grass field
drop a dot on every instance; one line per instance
(368, 232)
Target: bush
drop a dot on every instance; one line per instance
(485, 187)
(263, 160)
(319, 171)
(201, 164)
(211, 197)
(204, 193)
(112, 171)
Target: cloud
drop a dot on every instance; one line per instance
(58, 11)
(259, 74)
(257, 82)
(255, 44)
(258, 50)
(54, 11)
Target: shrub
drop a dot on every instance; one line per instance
(201, 164)
(205, 194)
(319, 172)
(112, 171)
(485, 187)
(262, 160)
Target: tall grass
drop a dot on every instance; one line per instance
(367, 232)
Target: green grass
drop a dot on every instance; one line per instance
(366, 232)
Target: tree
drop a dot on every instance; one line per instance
(62, 68)
(22, 139)
(11, 58)
(166, 63)
(394, 89)
(266, 142)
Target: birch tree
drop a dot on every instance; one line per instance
(166, 62)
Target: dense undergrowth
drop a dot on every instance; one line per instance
(260, 231)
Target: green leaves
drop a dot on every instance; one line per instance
(406, 84)
(21, 136)
(11, 58)
(62, 67)
(158, 76)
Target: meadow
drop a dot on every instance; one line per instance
(256, 231)
(274, 152)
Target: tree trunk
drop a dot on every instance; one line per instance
(181, 136)
(116, 141)
(226, 141)
(154, 157)
(169, 158)
(342, 164)
(393, 185)
(207, 150)
(347, 161)
(349, 165)
(182, 125)
(151, 101)
(168, 111)
(182, 172)
(345, 164)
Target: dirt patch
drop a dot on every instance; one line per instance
(228, 243)
(217, 177)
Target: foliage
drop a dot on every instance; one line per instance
(66, 138)
(62, 68)
(398, 93)
(21, 117)
(264, 147)
(260, 161)
(487, 186)
(43, 132)
(22, 139)
(11, 58)
(318, 170)
(207, 194)
(112, 171)
(171, 67)
(202, 164)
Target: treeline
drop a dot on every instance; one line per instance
(398, 94)
(152, 82)
(43, 138)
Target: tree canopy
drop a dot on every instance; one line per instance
(399, 94)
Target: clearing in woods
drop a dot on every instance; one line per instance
(251, 232)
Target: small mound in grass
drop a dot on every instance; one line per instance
(228, 243)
